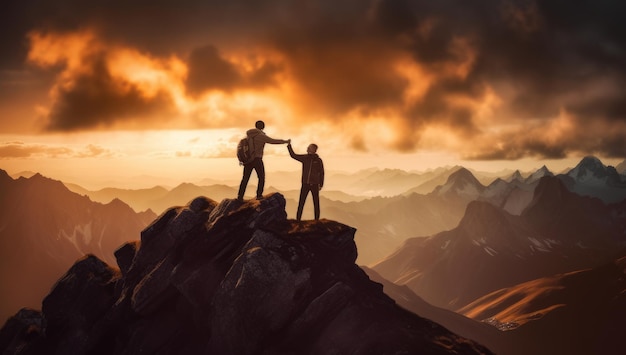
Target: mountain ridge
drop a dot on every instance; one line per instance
(579, 312)
(45, 228)
(559, 232)
(233, 277)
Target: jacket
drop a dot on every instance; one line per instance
(258, 139)
(312, 167)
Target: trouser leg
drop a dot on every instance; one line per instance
(315, 192)
(304, 191)
(260, 172)
(247, 171)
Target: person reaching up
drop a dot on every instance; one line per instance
(312, 177)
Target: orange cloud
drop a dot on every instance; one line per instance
(492, 77)
(92, 89)
(107, 85)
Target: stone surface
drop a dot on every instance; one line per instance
(228, 278)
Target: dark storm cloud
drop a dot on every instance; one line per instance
(545, 48)
(538, 57)
(208, 70)
(95, 99)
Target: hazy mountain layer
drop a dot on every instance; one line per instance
(44, 228)
(437, 203)
(491, 249)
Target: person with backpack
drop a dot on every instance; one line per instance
(256, 140)
(312, 178)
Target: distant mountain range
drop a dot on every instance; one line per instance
(419, 204)
(559, 231)
(522, 263)
(44, 228)
(383, 223)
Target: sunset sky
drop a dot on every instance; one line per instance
(97, 92)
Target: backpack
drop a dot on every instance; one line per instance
(244, 153)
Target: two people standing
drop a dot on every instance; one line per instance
(312, 168)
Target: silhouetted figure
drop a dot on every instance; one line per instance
(257, 139)
(312, 178)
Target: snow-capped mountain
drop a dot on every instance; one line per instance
(592, 178)
(461, 183)
(490, 249)
(512, 196)
(591, 171)
(515, 193)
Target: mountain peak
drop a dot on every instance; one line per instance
(590, 171)
(541, 172)
(231, 278)
(551, 192)
(480, 211)
(516, 176)
(588, 163)
(591, 160)
(4, 177)
(461, 183)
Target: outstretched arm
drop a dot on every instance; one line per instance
(268, 139)
(298, 157)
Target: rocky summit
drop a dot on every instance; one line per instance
(228, 278)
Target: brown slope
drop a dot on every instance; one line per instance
(581, 312)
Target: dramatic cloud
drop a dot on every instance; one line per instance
(502, 78)
(97, 86)
(207, 71)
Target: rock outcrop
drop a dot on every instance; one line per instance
(227, 278)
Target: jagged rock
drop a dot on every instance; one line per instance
(125, 255)
(77, 302)
(231, 278)
(22, 333)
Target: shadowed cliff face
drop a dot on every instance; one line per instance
(228, 278)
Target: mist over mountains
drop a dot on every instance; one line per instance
(411, 204)
(469, 246)
(558, 232)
